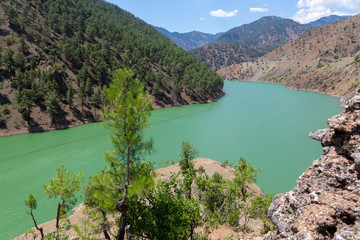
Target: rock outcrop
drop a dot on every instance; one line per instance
(325, 204)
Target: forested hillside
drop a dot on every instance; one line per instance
(219, 55)
(57, 55)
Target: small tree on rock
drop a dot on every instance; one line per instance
(188, 153)
(64, 186)
(32, 204)
(127, 116)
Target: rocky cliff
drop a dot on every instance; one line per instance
(325, 204)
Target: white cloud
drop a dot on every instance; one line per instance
(202, 19)
(254, 9)
(222, 13)
(310, 10)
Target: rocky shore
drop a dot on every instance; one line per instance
(325, 204)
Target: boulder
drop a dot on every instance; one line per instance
(353, 103)
(356, 157)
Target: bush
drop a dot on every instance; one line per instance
(2, 123)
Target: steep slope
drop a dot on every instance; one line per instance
(265, 34)
(261, 36)
(325, 60)
(218, 55)
(189, 40)
(58, 55)
(326, 20)
(325, 202)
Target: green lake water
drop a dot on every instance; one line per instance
(266, 124)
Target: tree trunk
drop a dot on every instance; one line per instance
(58, 214)
(104, 229)
(36, 226)
(28, 116)
(123, 208)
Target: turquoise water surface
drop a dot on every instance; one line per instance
(266, 124)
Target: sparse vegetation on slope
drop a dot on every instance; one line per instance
(249, 41)
(218, 55)
(324, 60)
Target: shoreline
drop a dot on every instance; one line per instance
(342, 98)
(47, 128)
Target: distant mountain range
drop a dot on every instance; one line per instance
(189, 40)
(259, 37)
(326, 20)
(326, 59)
(195, 39)
(244, 43)
(267, 33)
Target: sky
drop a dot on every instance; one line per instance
(215, 16)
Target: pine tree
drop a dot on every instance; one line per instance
(52, 103)
(82, 96)
(88, 87)
(22, 45)
(64, 186)
(129, 109)
(188, 153)
(26, 100)
(70, 93)
(95, 100)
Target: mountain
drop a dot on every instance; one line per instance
(218, 55)
(56, 57)
(265, 34)
(190, 40)
(326, 20)
(325, 59)
(262, 36)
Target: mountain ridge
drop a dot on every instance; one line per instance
(188, 40)
(326, 20)
(261, 36)
(324, 60)
(185, 41)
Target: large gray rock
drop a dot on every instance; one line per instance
(353, 103)
(356, 157)
(319, 134)
(342, 124)
(325, 136)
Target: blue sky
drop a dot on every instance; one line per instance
(214, 16)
